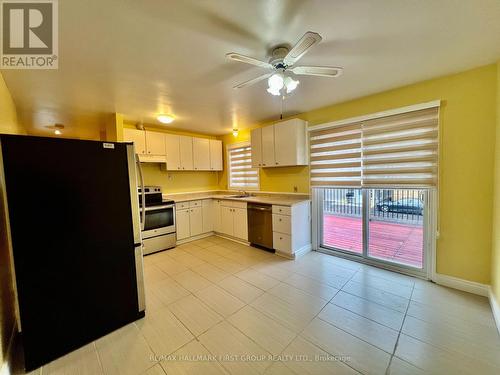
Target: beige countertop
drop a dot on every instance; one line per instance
(282, 199)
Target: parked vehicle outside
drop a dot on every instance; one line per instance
(404, 206)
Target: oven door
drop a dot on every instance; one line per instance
(159, 220)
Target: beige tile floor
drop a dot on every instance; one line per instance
(219, 307)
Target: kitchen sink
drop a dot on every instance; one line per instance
(240, 196)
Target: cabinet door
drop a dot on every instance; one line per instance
(136, 136)
(196, 221)
(215, 155)
(186, 152)
(268, 159)
(240, 223)
(201, 154)
(256, 143)
(155, 143)
(226, 220)
(173, 152)
(290, 143)
(208, 215)
(182, 224)
(216, 210)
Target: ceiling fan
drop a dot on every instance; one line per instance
(282, 63)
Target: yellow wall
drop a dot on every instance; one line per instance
(495, 258)
(8, 117)
(173, 181)
(468, 118)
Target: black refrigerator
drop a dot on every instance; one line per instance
(75, 239)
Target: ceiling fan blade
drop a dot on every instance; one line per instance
(308, 40)
(248, 60)
(253, 81)
(322, 71)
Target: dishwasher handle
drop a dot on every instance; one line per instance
(260, 208)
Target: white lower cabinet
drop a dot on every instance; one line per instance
(240, 223)
(189, 219)
(195, 221)
(182, 224)
(216, 215)
(233, 219)
(292, 229)
(208, 215)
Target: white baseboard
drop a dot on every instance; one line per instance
(302, 251)
(495, 308)
(461, 284)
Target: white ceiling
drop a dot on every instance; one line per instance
(141, 58)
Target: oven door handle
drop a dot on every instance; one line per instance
(143, 194)
(154, 208)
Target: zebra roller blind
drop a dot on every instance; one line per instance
(241, 173)
(395, 150)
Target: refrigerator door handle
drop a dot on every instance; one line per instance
(143, 193)
(134, 199)
(139, 272)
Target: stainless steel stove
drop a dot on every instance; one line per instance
(157, 219)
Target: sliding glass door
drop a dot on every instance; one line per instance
(385, 226)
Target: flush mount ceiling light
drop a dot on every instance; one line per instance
(57, 128)
(282, 63)
(235, 132)
(165, 119)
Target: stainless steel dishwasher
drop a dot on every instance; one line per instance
(260, 224)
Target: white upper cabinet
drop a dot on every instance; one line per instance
(172, 147)
(268, 159)
(138, 137)
(279, 145)
(155, 143)
(186, 152)
(256, 145)
(201, 154)
(215, 155)
(290, 143)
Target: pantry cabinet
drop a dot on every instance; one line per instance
(280, 145)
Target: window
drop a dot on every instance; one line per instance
(374, 181)
(241, 174)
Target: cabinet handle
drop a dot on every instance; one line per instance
(281, 238)
(280, 219)
(277, 163)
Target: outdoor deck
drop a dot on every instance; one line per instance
(388, 240)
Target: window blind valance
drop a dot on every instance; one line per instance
(394, 150)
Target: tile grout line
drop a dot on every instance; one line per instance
(399, 334)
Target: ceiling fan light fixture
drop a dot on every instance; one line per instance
(165, 119)
(275, 82)
(290, 84)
